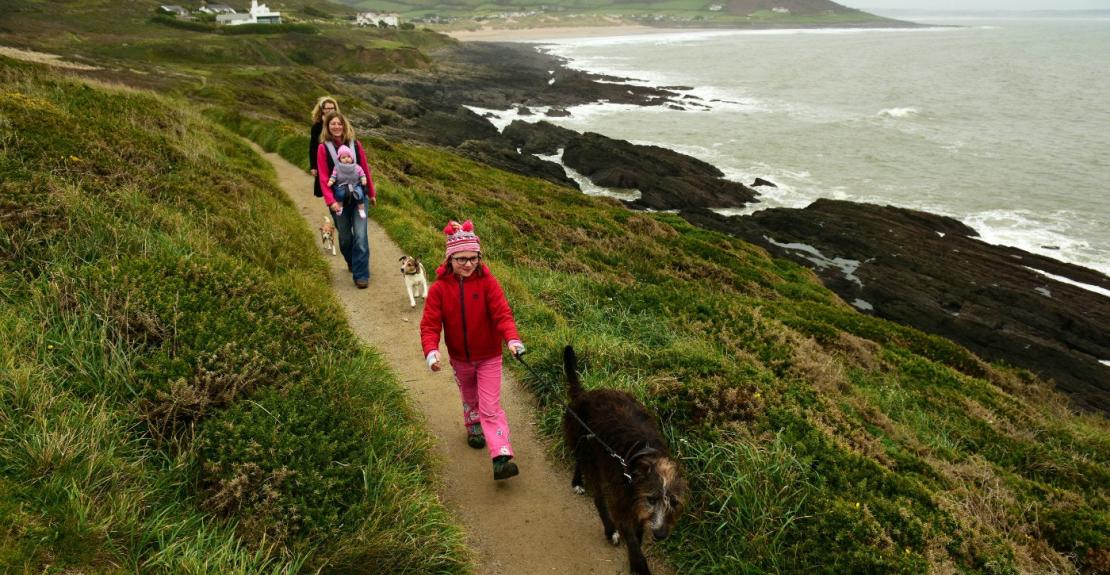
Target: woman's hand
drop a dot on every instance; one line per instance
(335, 207)
(313, 172)
(373, 200)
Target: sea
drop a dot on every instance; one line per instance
(1003, 124)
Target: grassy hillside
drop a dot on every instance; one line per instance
(176, 393)
(132, 44)
(732, 13)
(816, 439)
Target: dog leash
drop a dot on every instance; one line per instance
(591, 435)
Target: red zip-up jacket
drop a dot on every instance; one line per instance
(472, 313)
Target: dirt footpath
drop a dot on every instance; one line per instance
(530, 524)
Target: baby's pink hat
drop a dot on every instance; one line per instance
(344, 151)
(461, 238)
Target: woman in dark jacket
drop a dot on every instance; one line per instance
(324, 106)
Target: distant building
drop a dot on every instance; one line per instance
(716, 7)
(780, 10)
(233, 19)
(175, 10)
(375, 18)
(216, 9)
(259, 14)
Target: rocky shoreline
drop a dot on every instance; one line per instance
(915, 268)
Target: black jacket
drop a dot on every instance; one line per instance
(313, 143)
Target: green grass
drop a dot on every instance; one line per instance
(816, 439)
(175, 398)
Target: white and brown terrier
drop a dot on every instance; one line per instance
(327, 235)
(415, 283)
(624, 459)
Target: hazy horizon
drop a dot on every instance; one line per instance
(979, 5)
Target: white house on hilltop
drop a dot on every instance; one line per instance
(175, 10)
(209, 8)
(373, 18)
(259, 14)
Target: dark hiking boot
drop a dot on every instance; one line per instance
(362, 284)
(474, 437)
(504, 468)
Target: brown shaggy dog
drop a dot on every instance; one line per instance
(646, 491)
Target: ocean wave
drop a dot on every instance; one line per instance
(1069, 281)
(687, 36)
(1045, 234)
(898, 112)
(696, 98)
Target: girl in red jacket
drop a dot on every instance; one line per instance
(467, 304)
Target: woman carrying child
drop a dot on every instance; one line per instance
(347, 177)
(466, 303)
(348, 209)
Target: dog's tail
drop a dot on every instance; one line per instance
(570, 365)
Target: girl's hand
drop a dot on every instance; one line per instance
(335, 207)
(374, 200)
(517, 348)
(433, 360)
(313, 172)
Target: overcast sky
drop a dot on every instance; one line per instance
(978, 4)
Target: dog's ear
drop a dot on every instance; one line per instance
(402, 258)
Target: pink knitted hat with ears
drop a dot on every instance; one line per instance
(344, 151)
(461, 238)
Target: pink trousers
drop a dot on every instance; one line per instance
(480, 387)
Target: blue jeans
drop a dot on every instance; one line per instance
(340, 193)
(353, 241)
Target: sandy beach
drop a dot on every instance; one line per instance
(554, 33)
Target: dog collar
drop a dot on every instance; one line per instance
(640, 453)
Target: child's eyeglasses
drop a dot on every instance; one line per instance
(466, 260)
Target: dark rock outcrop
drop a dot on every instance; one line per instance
(930, 272)
(761, 182)
(666, 179)
(538, 138)
(502, 156)
(452, 127)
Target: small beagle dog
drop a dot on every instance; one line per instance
(327, 235)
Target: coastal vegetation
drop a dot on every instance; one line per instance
(176, 398)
